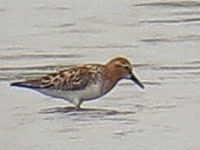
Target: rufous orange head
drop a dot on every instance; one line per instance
(122, 68)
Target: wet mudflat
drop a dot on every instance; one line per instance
(160, 37)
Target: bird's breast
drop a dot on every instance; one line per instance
(89, 92)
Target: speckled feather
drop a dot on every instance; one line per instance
(74, 78)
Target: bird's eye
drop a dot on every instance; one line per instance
(128, 68)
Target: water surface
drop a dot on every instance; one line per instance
(160, 37)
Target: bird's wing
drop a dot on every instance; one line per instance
(70, 79)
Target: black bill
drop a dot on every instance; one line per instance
(137, 81)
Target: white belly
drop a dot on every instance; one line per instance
(90, 92)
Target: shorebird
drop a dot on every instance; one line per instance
(82, 83)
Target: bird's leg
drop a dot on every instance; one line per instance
(77, 103)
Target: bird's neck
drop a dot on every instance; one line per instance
(110, 80)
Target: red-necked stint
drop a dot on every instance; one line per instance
(82, 83)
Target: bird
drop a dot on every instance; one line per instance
(82, 82)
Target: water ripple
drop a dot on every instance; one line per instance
(187, 20)
(186, 13)
(177, 68)
(38, 56)
(62, 8)
(82, 31)
(13, 48)
(184, 38)
(171, 4)
(194, 62)
(163, 107)
(66, 25)
(44, 67)
(100, 46)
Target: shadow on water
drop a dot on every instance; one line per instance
(94, 111)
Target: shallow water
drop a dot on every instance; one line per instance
(160, 37)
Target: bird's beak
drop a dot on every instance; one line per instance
(133, 77)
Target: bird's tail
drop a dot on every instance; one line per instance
(20, 84)
(26, 84)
